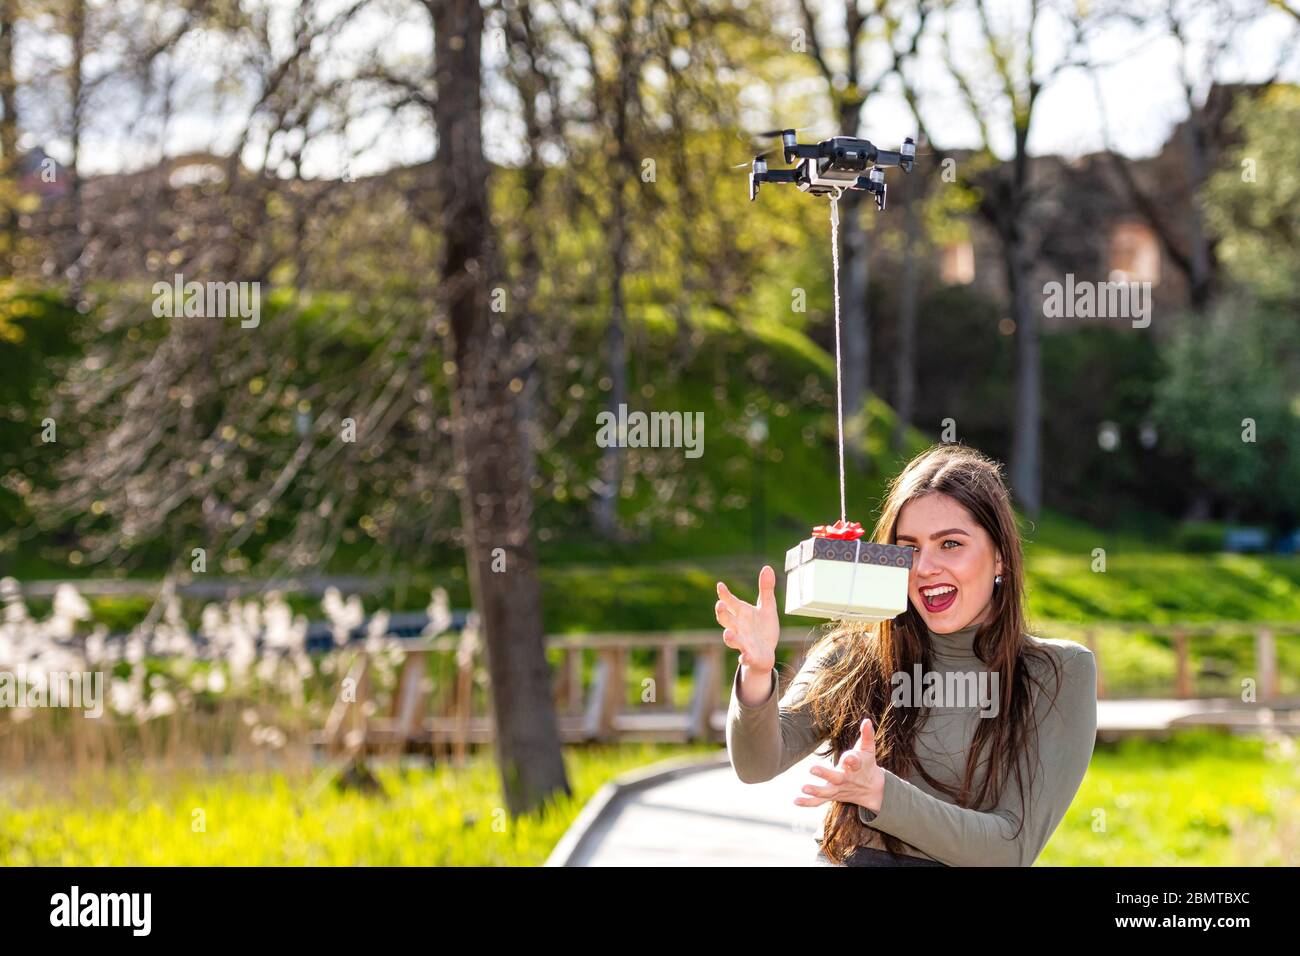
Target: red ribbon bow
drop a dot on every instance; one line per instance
(841, 530)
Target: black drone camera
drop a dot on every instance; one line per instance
(833, 165)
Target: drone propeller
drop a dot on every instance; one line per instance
(770, 133)
(756, 157)
(923, 147)
(767, 134)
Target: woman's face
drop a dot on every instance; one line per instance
(953, 563)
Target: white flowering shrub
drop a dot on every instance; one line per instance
(240, 680)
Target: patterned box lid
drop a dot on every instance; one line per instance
(833, 549)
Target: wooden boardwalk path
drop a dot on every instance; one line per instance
(695, 814)
(1117, 718)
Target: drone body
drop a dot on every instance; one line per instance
(833, 165)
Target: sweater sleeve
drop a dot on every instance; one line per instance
(767, 739)
(959, 836)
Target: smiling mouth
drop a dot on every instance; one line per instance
(938, 597)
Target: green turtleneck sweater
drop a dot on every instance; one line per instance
(767, 739)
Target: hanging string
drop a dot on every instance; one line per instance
(839, 387)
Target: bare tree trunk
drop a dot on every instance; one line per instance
(605, 505)
(905, 386)
(1188, 244)
(77, 31)
(1199, 507)
(1200, 276)
(532, 81)
(682, 349)
(1026, 470)
(605, 510)
(8, 134)
(531, 267)
(496, 502)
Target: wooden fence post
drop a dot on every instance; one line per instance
(573, 657)
(708, 673)
(666, 675)
(411, 701)
(606, 697)
(464, 707)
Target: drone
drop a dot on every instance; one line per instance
(832, 166)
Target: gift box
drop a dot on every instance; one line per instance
(837, 574)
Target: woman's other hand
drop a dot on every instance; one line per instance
(855, 779)
(752, 629)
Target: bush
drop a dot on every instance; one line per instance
(1201, 537)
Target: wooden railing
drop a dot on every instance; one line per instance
(599, 711)
(1180, 635)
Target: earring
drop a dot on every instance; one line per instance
(997, 580)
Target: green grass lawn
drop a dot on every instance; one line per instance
(432, 817)
(1199, 799)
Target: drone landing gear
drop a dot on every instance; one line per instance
(870, 184)
(874, 183)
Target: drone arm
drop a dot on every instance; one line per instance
(770, 176)
(802, 151)
(904, 157)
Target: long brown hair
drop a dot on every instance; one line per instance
(859, 659)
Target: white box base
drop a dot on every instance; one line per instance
(846, 589)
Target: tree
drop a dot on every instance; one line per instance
(646, 84)
(1230, 403)
(9, 231)
(1001, 101)
(1204, 33)
(496, 502)
(620, 102)
(1230, 400)
(1253, 200)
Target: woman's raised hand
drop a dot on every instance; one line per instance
(752, 629)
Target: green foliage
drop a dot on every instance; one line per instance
(1243, 361)
(36, 338)
(1200, 536)
(1230, 403)
(1096, 374)
(964, 367)
(1253, 202)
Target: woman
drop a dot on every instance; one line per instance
(910, 784)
